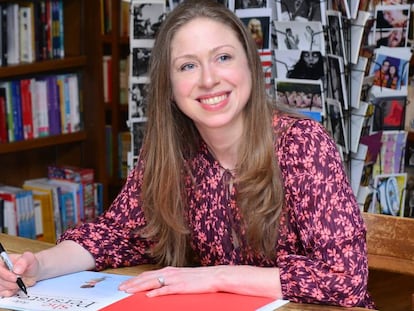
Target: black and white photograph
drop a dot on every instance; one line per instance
(138, 130)
(258, 21)
(147, 17)
(137, 104)
(249, 4)
(307, 36)
(336, 123)
(336, 80)
(299, 64)
(301, 10)
(335, 33)
(301, 95)
(140, 61)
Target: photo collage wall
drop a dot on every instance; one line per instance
(344, 63)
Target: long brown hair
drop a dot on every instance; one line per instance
(171, 137)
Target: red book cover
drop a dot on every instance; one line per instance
(27, 111)
(199, 302)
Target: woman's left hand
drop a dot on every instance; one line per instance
(245, 280)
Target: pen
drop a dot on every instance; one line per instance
(9, 265)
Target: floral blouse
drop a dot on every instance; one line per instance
(321, 249)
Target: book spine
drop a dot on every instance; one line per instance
(13, 39)
(4, 30)
(27, 113)
(53, 106)
(17, 110)
(3, 116)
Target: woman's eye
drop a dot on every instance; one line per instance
(223, 58)
(186, 67)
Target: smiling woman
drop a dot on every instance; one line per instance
(230, 193)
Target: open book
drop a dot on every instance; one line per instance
(85, 290)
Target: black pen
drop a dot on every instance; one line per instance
(9, 265)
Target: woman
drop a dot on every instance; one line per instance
(229, 194)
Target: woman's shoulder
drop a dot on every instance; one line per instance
(284, 123)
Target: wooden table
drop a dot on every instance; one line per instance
(15, 244)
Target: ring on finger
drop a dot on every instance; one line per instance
(161, 280)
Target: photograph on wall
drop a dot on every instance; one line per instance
(137, 105)
(389, 113)
(335, 34)
(389, 194)
(301, 10)
(249, 4)
(258, 22)
(140, 61)
(336, 123)
(336, 80)
(307, 36)
(389, 68)
(138, 130)
(391, 158)
(301, 95)
(297, 64)
(147, 17)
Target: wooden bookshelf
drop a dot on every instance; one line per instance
(26, 159)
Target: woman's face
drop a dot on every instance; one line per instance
(210, 75)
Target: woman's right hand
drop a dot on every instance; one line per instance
(26, 266)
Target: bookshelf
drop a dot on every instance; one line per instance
(115, 44)
(25, 159)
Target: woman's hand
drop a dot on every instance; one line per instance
(246, 280)
(25, 265)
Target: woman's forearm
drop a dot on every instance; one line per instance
(66, 257)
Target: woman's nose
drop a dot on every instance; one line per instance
(208, 77)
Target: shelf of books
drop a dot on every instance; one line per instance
(50, 117)
(343, 63)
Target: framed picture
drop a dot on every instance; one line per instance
(137, 103)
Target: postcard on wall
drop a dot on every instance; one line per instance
(86, 290)
(335, 34)
(301, 95)
(258, 22)
(391, 158)
(146, 18)
(292, 35)
(337, 87)
(297, 64)
(301, 10)
(337, 123)
(389, 194)
(389, 113)
(390, 68)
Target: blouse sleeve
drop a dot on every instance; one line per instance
(322, 252)
(113, 238)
